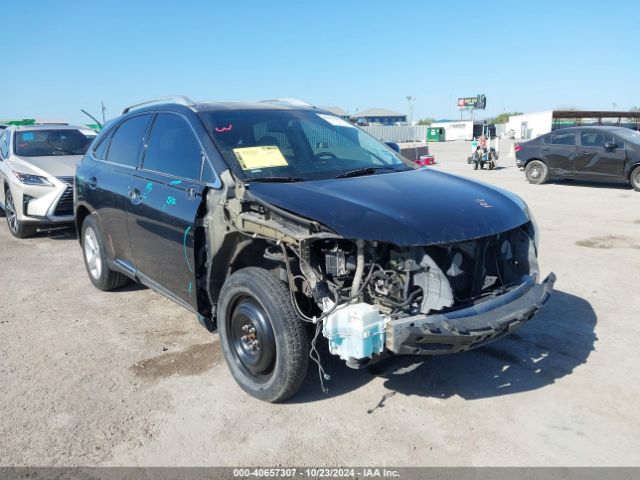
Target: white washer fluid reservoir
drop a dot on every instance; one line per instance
(355, 331)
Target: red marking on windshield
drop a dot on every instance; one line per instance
(224, 129)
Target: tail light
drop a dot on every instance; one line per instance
(518, 148)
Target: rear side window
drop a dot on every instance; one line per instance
(563, 139)
(127, 141)
(173, 148)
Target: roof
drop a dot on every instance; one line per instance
(592, 113)
(336, 111)
(378, 112)
(49, 126)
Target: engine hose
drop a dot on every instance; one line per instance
(357, 276)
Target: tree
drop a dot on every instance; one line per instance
(503, 117)
(634, 109)
(426, 121)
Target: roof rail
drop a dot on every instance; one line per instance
(289, 101)
(179, 99)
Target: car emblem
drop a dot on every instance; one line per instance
(483, 203)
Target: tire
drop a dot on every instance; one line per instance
(536, 172)
(256, 307)
(17, 228)
(95, 257)
(634, 179)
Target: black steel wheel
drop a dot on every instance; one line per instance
(264, 343)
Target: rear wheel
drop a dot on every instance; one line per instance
(95, 258)
(265, 344)
(17, 228)
(536, 172)
(635, 179)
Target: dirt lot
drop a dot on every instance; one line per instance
(124, 378)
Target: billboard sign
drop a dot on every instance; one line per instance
(478, 102)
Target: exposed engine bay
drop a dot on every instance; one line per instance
(353, 289)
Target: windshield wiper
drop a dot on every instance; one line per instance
(275, 179)
(60, 149)
(363, 171)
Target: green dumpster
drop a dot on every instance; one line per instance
(435, 134)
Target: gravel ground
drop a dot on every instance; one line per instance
(129, 378)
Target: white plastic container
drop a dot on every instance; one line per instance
(355, 331)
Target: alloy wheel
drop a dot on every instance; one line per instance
(10, 210)
(92, 253)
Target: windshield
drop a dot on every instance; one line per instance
(55, 142)
(629, 135)
(296, 145)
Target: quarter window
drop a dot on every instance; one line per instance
(127, 140)
(100, 152)
(4, 144)
(563, 139)
(173, 148)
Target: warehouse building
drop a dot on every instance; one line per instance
(378, 116)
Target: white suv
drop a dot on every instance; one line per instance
(37, 165)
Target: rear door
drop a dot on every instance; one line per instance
(105, 183)
(165, 196)
(559, 152)
(597, 162)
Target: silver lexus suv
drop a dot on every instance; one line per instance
(37, 166)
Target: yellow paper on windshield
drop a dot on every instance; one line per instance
(267, 156)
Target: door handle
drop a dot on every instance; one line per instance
(92, 182)
(583, 152)
(546, 149)
(192, 192)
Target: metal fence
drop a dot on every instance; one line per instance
(398, 133)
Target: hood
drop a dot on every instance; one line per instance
(418, 207)
(55, 165)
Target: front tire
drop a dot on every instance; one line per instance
(264, 343)
(635, 179)
(17, 228)
(536, 172)
(95, 258)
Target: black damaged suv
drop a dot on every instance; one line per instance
(278, 223)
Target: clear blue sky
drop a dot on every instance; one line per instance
(60, 56)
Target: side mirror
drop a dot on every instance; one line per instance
(393, 146)
(609, 145)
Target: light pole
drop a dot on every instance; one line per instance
(410, 100)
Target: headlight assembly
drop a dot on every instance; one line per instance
(29, 179)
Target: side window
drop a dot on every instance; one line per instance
(173, 148)
(127, 141)
(563, 139)
(592, 139)
(4, 144)
(100, 152)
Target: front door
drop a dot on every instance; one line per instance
(597, 162)
(165, 196)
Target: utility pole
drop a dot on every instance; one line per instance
(104, 109)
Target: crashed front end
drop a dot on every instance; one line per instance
(374, 298)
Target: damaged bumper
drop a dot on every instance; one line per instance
(471, 327)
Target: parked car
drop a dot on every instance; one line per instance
(277, 223)
(609, 154)
(37, 165)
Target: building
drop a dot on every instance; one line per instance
(337, 111)
(459, 129)
(378, 116)
(532, 125)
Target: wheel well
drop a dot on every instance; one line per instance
(531, 160)
(633, 169)
(81, 214)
